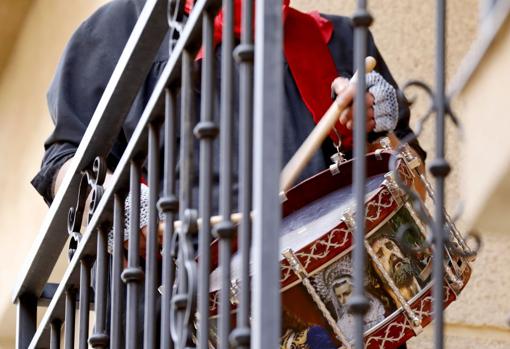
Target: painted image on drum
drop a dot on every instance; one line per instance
(400, 257)
(335, 286)
(304, 323)
(406, 264)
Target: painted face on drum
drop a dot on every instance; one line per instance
(398, 267)
(343, 290)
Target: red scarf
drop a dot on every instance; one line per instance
(306, 37)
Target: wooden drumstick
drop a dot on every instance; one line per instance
(305, 152)
(307, 149)
(234, 218)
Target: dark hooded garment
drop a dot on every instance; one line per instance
(90, 58)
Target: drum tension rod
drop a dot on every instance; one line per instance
(415, 320)
(301, 273)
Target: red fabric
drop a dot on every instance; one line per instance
(306, 36)
(218, 23)
(311, 64)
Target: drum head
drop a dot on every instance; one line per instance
(316, 243)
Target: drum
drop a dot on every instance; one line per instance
(316, 269)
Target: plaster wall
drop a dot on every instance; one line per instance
(487, 167)
(24, 125)
(12, 15)
(404, 32)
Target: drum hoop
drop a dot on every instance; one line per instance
(213, 295)
(417, 304)
(382, 192)
(346, 251)
(420, 303)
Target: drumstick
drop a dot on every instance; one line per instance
(305, 152)
(234, 218)
(307, 149)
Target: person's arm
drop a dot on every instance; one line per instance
(80, 79)
(79, 82)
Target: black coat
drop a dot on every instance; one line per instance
(90, 58)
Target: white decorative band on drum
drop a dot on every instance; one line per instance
(144, 214)
(385, 102)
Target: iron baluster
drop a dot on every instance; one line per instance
(206, 130)
(55, 329)
(133, 274)
(439, 168)
(225, 230)
(243, 54)
(85, 265)
(26, 320)
(183, 297)
(169, 206)
(186, 172)
(117, 289)
(268, 116)
(100, 338)
(358, 303)
(151, 275)
(70, 318)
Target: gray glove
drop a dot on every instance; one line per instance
(385, 102)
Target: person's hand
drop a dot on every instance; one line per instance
(344, 90)
(144, 232)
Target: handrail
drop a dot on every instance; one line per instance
(120, 175)
(185, 291)
(129, 74)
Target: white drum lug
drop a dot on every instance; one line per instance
(294, 263)
(412, 161)
(348, 218)
(455, 281)
(385, 143)
(338, 159)
(283, 196)
(396, 192)
(234, 291)
(378, 154)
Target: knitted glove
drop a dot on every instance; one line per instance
(385, 102)
(144, 214)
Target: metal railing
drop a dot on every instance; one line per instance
(174, 316)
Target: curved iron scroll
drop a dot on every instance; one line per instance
(183, 303)
(455, 242)
(91, 184)
(175, 18)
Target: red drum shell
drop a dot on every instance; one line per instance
(318, 246)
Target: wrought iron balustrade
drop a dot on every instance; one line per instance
(174, 295)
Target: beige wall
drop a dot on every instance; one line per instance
(487, 165)
(24, 125)
(12, 15)
(405, 34)
(404, 31)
